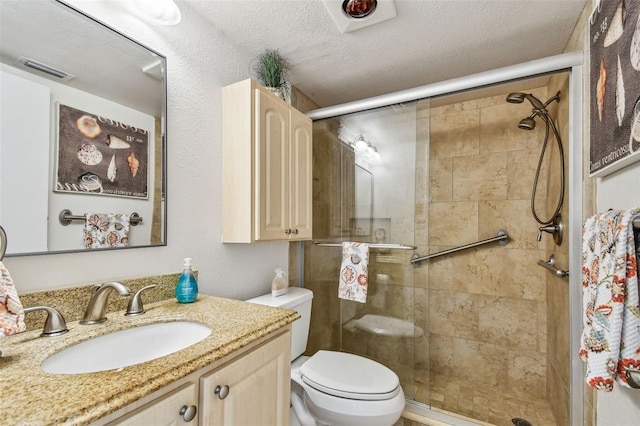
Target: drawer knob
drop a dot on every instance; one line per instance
(295, 231)
(188, 413)
(221, 391)
(287, 231)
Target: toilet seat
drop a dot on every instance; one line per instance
(349, 376)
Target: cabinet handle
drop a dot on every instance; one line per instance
(222, 391)
(188, 413)
(287, 231)
(295, 231)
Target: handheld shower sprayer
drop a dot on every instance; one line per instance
(539, 108)
(553, 224)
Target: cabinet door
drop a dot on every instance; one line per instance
(257, 388)
(272, 171)
(166, 410)
(300, 190)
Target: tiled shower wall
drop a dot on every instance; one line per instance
(487, 306)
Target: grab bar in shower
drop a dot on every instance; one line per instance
(371, 246)
(502, 238)
(551, 265)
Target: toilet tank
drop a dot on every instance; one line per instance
(297, 299)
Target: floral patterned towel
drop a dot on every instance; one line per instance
(610, 342)
(106, 230)
(353, 272)
(11, 311)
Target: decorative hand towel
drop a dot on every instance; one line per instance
(11, 312)
(106, 230)
(610, 342)
(353, 272)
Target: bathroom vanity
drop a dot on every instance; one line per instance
(246, 358)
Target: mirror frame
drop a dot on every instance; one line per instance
(53, 217)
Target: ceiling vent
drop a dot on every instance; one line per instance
(31, 65)
(351, 15)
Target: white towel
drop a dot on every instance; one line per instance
(11, 311)
(106, 230)
(353, 272)
(610, 342)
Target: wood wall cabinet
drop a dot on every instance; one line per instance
(267, 167)
(250, 387)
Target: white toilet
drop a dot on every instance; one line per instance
(335, 388)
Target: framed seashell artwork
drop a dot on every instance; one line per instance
(114, 154)
(614, 89)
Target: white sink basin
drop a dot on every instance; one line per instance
(126, 347)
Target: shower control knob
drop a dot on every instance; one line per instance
(549, 228)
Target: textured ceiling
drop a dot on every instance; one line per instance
(428, 41)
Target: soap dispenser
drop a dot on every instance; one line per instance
(279, 285)
(187, 288)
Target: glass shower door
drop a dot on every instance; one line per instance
(367, 197)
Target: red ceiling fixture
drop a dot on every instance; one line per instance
(359, 8)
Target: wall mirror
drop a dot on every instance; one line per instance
(82, 129)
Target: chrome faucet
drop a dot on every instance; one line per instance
(95, 312)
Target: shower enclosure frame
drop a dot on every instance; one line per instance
(568, 62)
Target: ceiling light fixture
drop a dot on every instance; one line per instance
(351, 15)
(365, 151)
(359, 9)
(43, 68)
(161, 12)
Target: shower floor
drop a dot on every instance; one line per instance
(485, 403)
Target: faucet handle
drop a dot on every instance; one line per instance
(54, 325)
(135, 304)
(548, 228)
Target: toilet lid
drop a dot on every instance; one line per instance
(349, 376)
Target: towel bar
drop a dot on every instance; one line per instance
(633, 378)
(3, 243)
(371, 246)
(65, 217)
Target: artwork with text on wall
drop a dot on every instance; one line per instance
(101, 156)
(615, 86)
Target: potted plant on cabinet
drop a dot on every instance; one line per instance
(272, 71)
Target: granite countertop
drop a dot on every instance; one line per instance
(31, 396)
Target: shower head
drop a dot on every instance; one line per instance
(519, 97)
(515, 97)
(527, 123)
(539, 109)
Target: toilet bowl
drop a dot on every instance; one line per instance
(335, 388)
